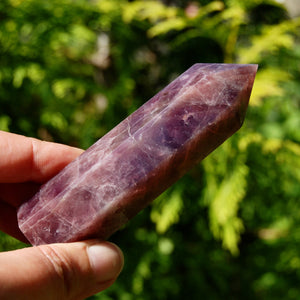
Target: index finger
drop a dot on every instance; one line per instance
(25, 159)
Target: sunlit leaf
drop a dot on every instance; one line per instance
(166, 212)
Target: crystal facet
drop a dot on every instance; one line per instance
(146, 153)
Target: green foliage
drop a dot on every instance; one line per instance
(225, 188)
(70, 70)
(167, 210)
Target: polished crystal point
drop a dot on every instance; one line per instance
(146, 153)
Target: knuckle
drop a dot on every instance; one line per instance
(61, 268)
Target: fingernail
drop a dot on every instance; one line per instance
(106, 260)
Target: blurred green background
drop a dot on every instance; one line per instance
(70, 70)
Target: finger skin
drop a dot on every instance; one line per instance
(58, 271)
(12, 195)
(9, 222)
(26, 159)
(16, 193)
(25, 164)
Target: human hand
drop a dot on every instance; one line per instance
(56, 271)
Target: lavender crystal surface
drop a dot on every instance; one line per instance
(131, 165)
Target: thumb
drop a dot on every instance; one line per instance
(59, 271)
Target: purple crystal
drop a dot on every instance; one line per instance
(125, 170)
